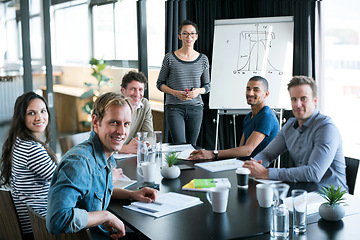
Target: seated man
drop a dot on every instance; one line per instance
(312, 139)
(260, 126)
(133, 86)
(81, 187)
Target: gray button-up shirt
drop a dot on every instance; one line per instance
(316, 149)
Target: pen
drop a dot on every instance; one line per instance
(186, 90)
(147, 209)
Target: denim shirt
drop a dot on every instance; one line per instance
(82, 183)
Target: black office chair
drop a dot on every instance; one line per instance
(69, 141)
(38, 224)
(352, 166)
(9, 221)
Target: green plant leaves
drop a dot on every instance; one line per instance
(332, 196)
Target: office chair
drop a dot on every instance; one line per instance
(38, 224)
(352, 166)
(9, 221)
(69, 141)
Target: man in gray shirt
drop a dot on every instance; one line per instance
(312, 139)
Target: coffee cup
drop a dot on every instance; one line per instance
(264, 195)
(148, 171)
(218, 198)
(242, 177)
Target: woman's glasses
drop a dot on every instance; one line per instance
(186, 34)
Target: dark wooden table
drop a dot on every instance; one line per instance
(244, 219)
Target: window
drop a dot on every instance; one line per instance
(155, 12)
(70, 33)
(342, 70)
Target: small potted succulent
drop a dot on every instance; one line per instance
(171, 171)
(332, 209)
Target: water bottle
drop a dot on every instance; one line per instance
(279, 227)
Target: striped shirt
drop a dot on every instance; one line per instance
(179, 75)
(32, 171)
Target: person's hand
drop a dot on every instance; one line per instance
(193, 93)
(117, 173)
(257, 170)
(201, 154)
(130, 148)
(182, 95)
(115, 224)
(145, 195)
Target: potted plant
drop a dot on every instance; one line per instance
(171, 171)
(97, 67)
(332, 209)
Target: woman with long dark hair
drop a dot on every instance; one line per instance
(27, 163)
(184, 76)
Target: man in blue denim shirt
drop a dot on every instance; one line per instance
(81, 187)
(312, 139)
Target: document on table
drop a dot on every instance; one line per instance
(266, 181)
(118, 156)
(165, 204)
(177, 148)
(123, 182)
(314, 200)
(223, 165)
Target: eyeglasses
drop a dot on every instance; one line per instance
(186, 34)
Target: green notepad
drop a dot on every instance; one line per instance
(204, 183)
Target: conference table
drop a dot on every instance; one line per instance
(244, 219)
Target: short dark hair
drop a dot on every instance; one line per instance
(133, 76)
(261, 79)
(302, 80)
(188, 22)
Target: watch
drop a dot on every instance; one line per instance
(216, 153)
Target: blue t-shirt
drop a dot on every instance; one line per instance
(264, 122)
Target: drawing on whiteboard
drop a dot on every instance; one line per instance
(254, 49)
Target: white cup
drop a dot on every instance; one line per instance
(218, 198)
(264, 195)
(148, 171)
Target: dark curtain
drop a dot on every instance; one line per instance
(175, 13)
(205, 12)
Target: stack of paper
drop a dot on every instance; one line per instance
(223, 165)
(165, 204)
(123, 182)
(204, 185)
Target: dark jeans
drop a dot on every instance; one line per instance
(184, 122)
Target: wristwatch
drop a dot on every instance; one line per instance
(216, 153)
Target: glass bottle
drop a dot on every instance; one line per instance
(279, 227)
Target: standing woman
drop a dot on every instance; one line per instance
(184, 75)
(27, 163)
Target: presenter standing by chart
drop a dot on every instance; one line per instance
(184, 76)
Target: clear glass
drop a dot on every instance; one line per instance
(126, 30)
(155, 13)
(71, 35)
(104, 31)
(299, 197)
(279, 227)
(341, 85)
(142, 150)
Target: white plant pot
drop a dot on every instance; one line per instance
(170, 172)
(331, 214)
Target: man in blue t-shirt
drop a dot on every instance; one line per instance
(260, 125)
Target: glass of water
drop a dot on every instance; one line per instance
(299, 197)
(279, 227)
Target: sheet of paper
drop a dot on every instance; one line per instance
(177, 148)
(123, 182)
(118, 156)
(185, 154)
(165, 204)
(266, 181)
(223, 165)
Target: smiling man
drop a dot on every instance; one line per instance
(133, 87)
(260, 126)
(312, 139)
(81, 187)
